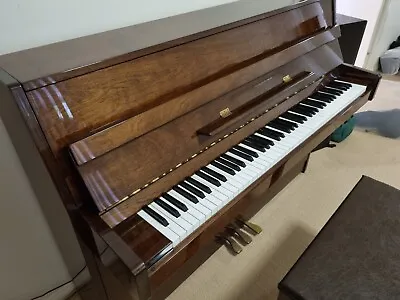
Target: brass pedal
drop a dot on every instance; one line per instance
(235, 230)
(229, 242)
(253, 227)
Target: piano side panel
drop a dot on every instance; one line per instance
(110, 177)
(72, 109)
(329, 7)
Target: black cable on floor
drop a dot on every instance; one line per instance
(53, 289)
(64, 284)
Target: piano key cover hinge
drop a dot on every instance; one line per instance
(204, 149)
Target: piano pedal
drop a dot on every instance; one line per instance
(228, 241)
(254, 228)
(243, 237)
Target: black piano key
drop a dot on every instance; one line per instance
(314, 103)
(185, 194)
(247, 151)
(253, 144)
(284, 125)
(168, 208)
(308, 108)
(337, 86)
(272, 134)
(175, 202)
(199, 185)
(263, 141)
(234, 160)
(155, 216)
(215, 174)
(289, 123)
(279, 127)
(294, 117)
(272, 131)
(193, 190)
(301, 111)
(208, 178)
(228, 164)
(348, 85)
(223, 168)
(323, 97)
(241, 154)
(331, 91)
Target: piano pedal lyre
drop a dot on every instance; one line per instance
(235, 230)
(253, 228)
(227, 240)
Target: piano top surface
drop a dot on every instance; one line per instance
(63, 60)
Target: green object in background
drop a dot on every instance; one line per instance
(343, 131)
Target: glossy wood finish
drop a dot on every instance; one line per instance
(72, 109)
(297, 161)
(80, 56)
(132, 116)
(115, 136)
(144, 153)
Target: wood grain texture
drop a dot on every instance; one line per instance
(112, 137)
(72, 109)
(135, 115)
(127, 208)
(110, 179)
(45, 65)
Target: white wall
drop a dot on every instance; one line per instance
(30, 262)
(26, 24)
(364, 9)
(388, 30)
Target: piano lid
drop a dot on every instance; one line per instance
(41, 66)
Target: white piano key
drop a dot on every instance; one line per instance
(191, 209)
(172, 225)
(220, 192)
(198, 213)
(185, 215)
(165, 231)
(177, 220)
(236, 179)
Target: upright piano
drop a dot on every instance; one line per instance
(158, 136)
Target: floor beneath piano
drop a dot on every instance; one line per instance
(294, 217)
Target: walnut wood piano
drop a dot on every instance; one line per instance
(157, 136)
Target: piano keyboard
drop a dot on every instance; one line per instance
(180, 211)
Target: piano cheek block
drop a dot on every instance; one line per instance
(158, 149)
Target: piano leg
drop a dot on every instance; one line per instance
(306, 164)
(96, 288)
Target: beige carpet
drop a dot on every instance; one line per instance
(294, 217)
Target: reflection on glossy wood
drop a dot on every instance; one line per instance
(109, 183)
(134, 125)
(69, 110)
(115, 136)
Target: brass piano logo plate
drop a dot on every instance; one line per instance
(225, 112)
(287, 79)
(201, 151)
